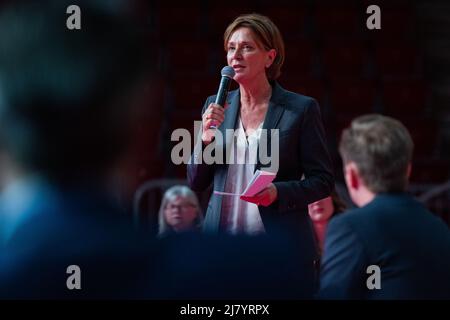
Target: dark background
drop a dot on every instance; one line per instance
(400, 71)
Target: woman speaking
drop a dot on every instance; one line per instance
(255, 50)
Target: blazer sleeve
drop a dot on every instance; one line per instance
(342, 273)
(199, 174)
(316, 164)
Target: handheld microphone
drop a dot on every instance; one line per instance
(227, 76)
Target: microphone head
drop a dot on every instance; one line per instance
(227, 72)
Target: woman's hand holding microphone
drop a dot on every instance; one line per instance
(215, 113)
(212, 119)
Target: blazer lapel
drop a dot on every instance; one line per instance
(271, 121)
(231, 113)
(273, 116)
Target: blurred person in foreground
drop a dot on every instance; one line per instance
(390, 230)
(321, 213)
(65, 98)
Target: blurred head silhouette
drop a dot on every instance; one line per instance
(65, 95)
(65, 109)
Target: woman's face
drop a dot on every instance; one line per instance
(180, 214)
(248, 59)
(322, 210)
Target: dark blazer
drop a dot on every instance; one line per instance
(302, 150)
(396, 233)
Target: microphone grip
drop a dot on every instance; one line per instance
(222, 94)
(223, 91)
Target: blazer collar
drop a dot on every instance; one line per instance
(231, 112)
(275, 107)
(273, 115)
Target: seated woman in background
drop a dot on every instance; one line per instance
(321, 212)
(179, 212)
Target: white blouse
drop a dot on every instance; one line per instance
(239, 216)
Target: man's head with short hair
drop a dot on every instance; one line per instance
(377, 150)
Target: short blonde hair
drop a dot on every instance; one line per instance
(267, 35)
